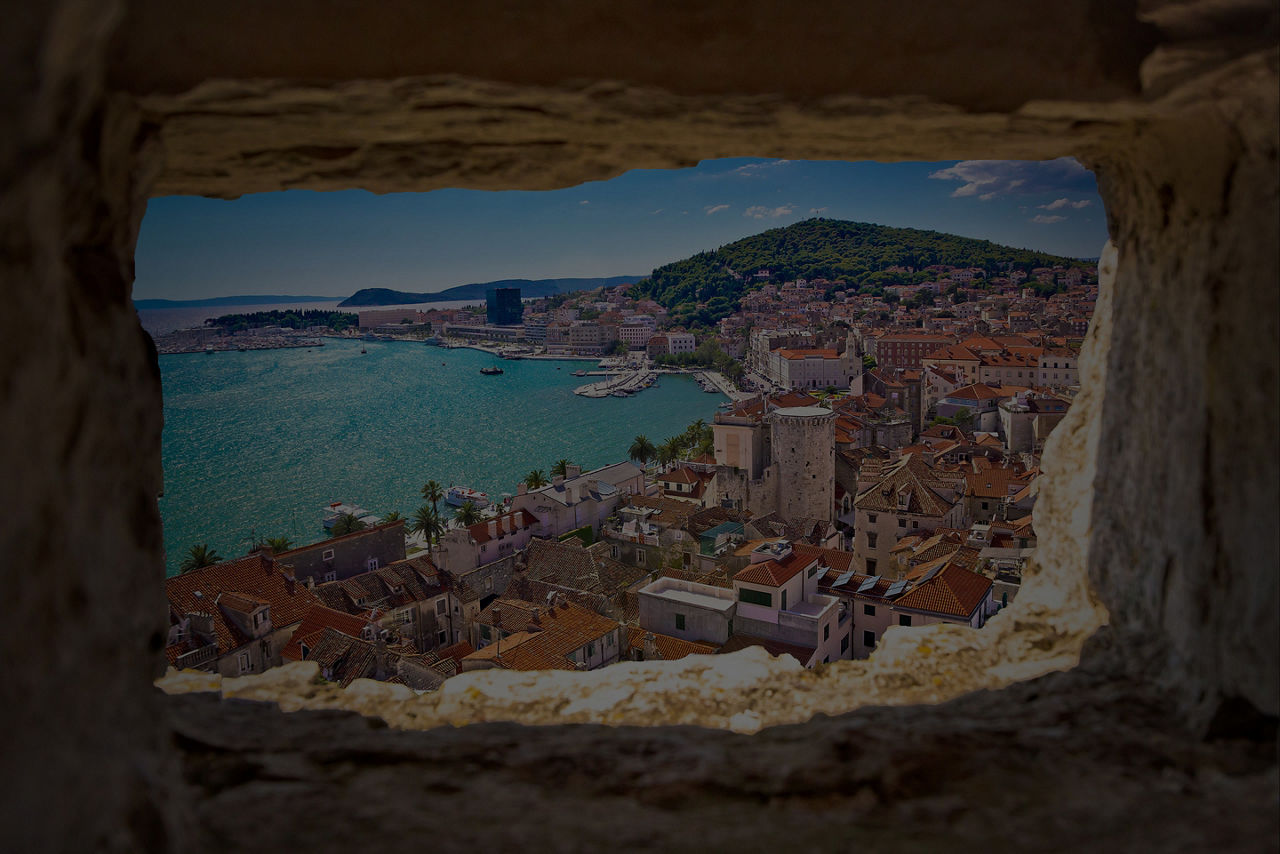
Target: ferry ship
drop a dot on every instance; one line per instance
(459, 495)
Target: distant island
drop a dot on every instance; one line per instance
(250, 299)
(476, 290)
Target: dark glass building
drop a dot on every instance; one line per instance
(504, 307)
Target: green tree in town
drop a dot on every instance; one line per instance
(670, 450)
(200, 555)
(278, 545)
(642, 450)
(393, 516)
(561, 467)
(426, 521)
(535, 479)
(346, 524)
(433, 492)
(468, 514)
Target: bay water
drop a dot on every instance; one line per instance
(256, 443)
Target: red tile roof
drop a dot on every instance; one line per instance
(774, 573)
(954, 592)
(807, 354)
(255, 576)
(508, 523)
(671, 649)
(777, 649)
(314, 622)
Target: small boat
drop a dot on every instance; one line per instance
(578, 373)
(208, 349)
(363, 350)
(491, 371)
(621, 393)
(459, 495)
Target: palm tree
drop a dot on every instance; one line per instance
(433, 492)
(535, 479)
(346, 524)
(426, 521)
(200, 555)
(276, 545)
(393, 516)
(561, 468)
(669, 451)
(467, 514)
(642, 450)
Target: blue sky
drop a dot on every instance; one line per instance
(302, 242)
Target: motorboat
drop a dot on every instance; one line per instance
(459, 495)
(491, 371)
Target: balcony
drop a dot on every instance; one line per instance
(197, 658)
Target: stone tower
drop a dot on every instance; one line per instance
(804, 459)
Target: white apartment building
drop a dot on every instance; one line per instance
(681, 342)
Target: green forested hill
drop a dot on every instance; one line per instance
(857, 252)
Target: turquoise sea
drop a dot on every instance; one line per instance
(256, 443)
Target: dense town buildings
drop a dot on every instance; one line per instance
(876, 471)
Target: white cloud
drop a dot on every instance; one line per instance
(766, 212)
(816, 211)
(750, 169)
(1058, 204)
(584, 202)
(658, 211)
(1041, 218)
(988, 179)
(710, 209)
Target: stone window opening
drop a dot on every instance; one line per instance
(1187, 177)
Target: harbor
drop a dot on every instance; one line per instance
(618, 384)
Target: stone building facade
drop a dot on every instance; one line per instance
(803, 445)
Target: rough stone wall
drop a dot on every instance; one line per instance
(1169, 502)
(1184, 546)
(80, 419)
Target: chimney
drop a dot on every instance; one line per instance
(380, 658)
(537, 612)
(651, 648)
(493, 527)
(522, 488)
(572, 470)
(558, 480)
(290, 579)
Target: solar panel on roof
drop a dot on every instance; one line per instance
(869, 583)
(896, 588)
(843, 578)
(930, 574)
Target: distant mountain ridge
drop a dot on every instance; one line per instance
(251, 299)
(703, 288)
(366, 297)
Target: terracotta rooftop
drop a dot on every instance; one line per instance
(954, 591)
(255, 577)
(775, 573)
(671, 649)
(314, 622)
(508, 523)
(777, 649)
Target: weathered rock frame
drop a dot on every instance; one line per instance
(1159, 511)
